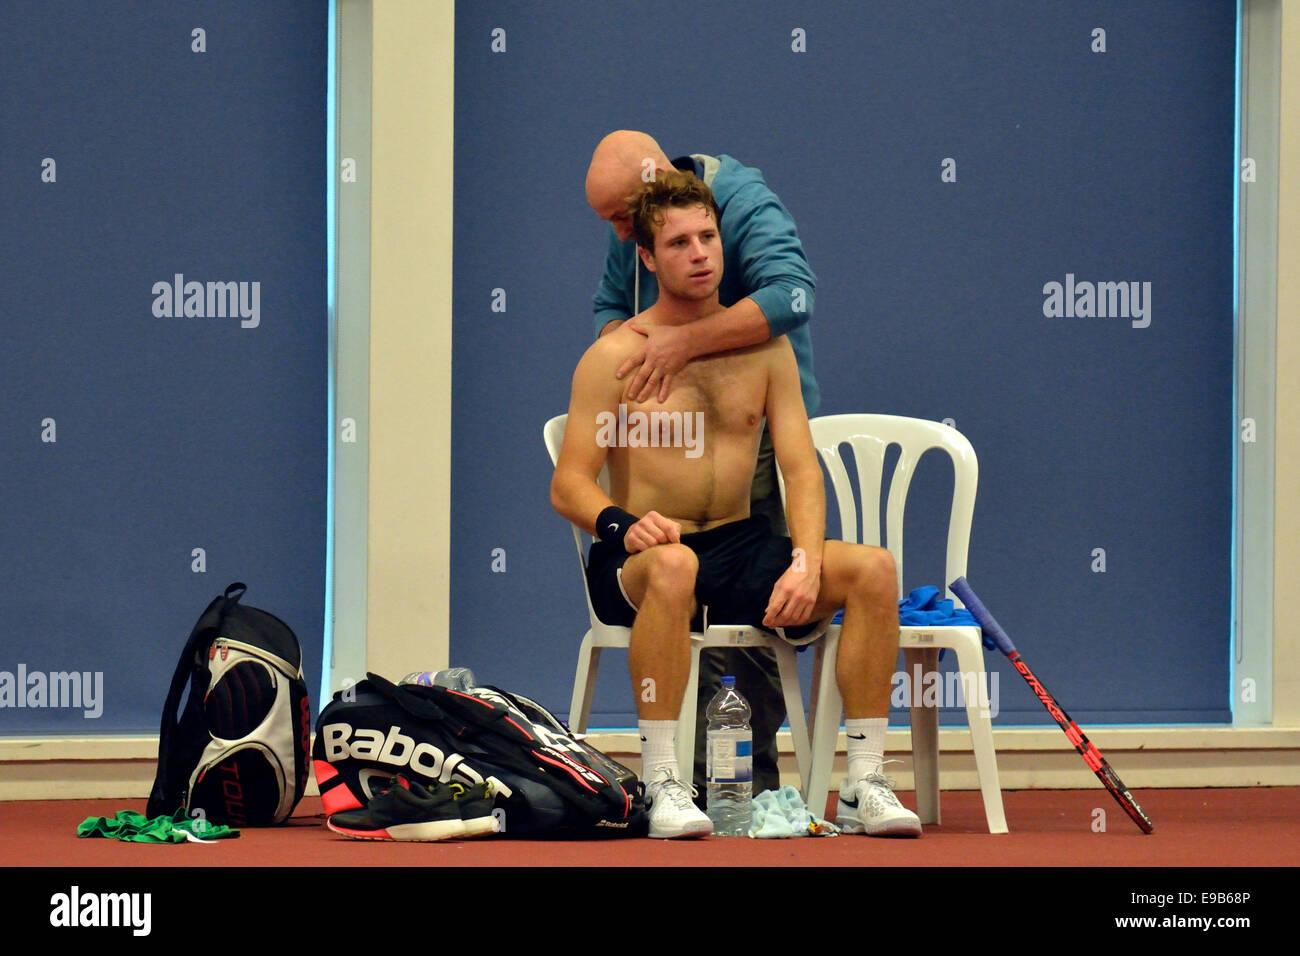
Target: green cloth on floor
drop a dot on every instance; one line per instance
(137, 828)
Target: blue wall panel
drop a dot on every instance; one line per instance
(170, 433)
(1092, 433)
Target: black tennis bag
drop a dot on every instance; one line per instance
(546, 781)
(237, 754)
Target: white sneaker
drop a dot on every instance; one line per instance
(672, 813)
(869, 806)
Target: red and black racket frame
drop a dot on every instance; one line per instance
(1091, 755)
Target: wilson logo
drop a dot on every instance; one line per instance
(399, 750)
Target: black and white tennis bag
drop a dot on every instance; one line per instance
(237, 754)
(546, 781)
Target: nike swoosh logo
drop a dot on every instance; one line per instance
(851, 804)
(613, 527)
(856, 736)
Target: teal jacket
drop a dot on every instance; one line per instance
(762, 259)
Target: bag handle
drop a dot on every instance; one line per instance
(422, 706)
(223, 604)
(419, 706)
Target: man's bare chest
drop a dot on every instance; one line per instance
(724, 393)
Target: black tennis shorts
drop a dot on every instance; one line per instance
(740, 562)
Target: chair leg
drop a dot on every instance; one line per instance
(584, 685)
(925, 735)
(970, 660)
(819, 658)
(826, 728)
(686, 718)
(788, 666)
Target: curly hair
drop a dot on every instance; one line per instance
(677, 189)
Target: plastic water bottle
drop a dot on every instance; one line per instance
(730, 761)
(455, 678)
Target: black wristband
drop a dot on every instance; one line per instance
(613, 523)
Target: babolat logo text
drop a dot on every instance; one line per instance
(75, 689)
(75, 908)
(398, 749)
(208, 300)
(1102, 300)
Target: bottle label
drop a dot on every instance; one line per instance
(730, 756)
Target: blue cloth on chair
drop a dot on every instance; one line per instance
(922, 607)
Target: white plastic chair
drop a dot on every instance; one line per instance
(600, 636)
(869, 436)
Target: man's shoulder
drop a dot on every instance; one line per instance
(731, 166)
(608, 352)
(774, 347)
(731, 179)
(762, 355)
(775, 353)
(736, 176)
(747, 203)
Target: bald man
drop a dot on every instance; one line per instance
(767, 291)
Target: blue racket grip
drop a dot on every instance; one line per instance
(981, 614)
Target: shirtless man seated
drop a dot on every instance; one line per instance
(676, 540)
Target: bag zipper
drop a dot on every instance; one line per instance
(280, 663)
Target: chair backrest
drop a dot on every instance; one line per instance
(553, 434)
(870, 437)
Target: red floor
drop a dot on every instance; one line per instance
(1257, 827)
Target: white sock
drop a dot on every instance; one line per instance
(866, 746)
(658, 747)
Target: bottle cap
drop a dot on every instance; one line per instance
(728, 681)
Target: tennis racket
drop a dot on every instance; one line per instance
(1091, 755)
